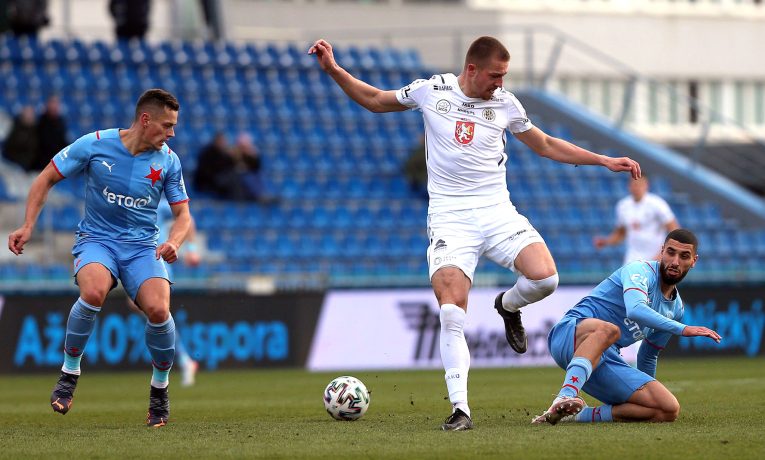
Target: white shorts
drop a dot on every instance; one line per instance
(460, 238)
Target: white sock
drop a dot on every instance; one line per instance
(528, 291)
(455, 355)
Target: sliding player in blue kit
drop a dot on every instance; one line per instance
(639, 301)
(127, 171)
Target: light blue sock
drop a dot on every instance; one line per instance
(160, 339)
(79, 326)
(577, 373)
(181, 355)
(595, 414)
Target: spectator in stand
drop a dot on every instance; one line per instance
(416, 170)
(215, 170)
(131, 18)
(248, 168)
(21, 144)
(27, 17)
(231, 173)
(51, 134)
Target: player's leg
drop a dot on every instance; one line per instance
(95, 281)
(451, 288)
(154, 300)
(188, 366)
(650, 403)
(452, 256)
(515, 244)
(146, 281)
(185, 362)
(628, 394)
(582, 351)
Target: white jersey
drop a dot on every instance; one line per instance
(645, 224)
(465, 141)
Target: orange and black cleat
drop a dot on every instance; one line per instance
(159, 408)
(63, 393)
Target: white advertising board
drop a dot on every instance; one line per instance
(399, 329)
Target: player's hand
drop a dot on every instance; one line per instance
(323, 51)
(699, 331)
(18, 239)
(168, 251)
(191, 258)
(624, 164)
(599, 242)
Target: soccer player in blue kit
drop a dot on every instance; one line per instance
(127, 171)
(639, 301)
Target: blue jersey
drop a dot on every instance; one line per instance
(123, 190)
(631, 298)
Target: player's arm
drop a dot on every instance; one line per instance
(191, 253)
(671, 225)
(178, 231)
(38, 194)
(366, 95)
(648, 354)
(616, 237)
(566, 152)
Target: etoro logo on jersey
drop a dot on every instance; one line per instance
(464, 131)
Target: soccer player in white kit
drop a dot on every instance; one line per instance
(470, 213)
(643, 220)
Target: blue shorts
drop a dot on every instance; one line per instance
(130, 263)
(613, 381)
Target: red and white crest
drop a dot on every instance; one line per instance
(464, 131)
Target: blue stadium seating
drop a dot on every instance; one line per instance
(344, 206)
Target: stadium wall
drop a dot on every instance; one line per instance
(343, 330)
(660, 45)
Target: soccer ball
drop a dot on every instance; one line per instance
(346, 398)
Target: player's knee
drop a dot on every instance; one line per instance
(94, 295)
(157, 314)
(670, 411)
(542, 288)
(610, 332)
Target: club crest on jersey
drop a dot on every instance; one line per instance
(489, 115)
(155, 175)
(464, 131)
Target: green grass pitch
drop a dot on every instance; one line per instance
(279, 414)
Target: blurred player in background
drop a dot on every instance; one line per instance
(127, 172)
(639, 301)
(190, 256)
(470, 213)
(643, 219)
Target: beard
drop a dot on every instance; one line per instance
(671, 279)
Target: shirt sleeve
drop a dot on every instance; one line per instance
(175, 188)
(413, 95)
(73, 159)
(517, 120)
(635, 278)
(665, 212)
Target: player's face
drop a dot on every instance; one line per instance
(488, 77)
(159, 127)
(638, 188)
(676, 260)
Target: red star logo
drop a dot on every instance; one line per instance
(154, 175)
(574, 379)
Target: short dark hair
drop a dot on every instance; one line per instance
(684, 236)
(485, 48)
(155, 99)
